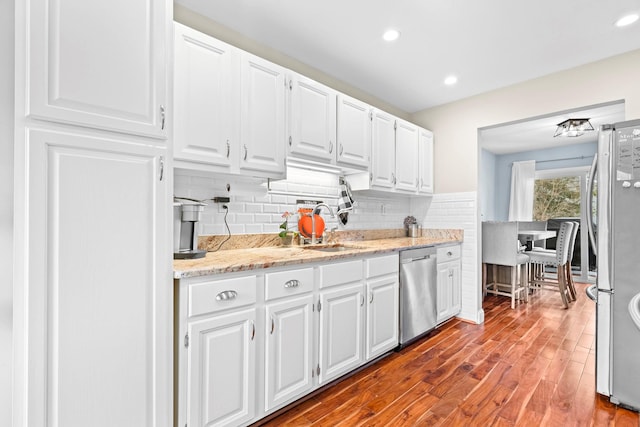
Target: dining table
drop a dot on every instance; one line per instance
(529, 236)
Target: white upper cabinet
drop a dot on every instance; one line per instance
(98, 64)
(262, 116)
(425, 155)
(230, 108)
(407, 156)
(313, 119)
(354, 132)
(204, 99)
(383, 151)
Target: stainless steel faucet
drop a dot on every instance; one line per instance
(316, 210)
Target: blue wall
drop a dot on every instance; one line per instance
(500, 184)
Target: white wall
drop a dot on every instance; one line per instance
(6, 205)
(455, 125)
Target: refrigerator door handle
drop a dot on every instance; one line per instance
(634, 310)
(592, 175)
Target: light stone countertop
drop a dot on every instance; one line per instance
(233, 260)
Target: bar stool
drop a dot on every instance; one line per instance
(500, 247)
(558, 258)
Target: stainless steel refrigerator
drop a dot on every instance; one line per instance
(617, 239)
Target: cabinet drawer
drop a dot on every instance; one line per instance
(291, 282)
(340, 273)
(383, 265)
(209, 297)
(448, 253)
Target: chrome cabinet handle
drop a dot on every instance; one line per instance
(361, 300)
(370, 176)
(253, 330)
(330, 147)
(290, 141)
(273, 325)
(393, 177)
(228, 148)
(226, 295)
(161, 168)
(370, 297)
(162, 117)
(245, 151)
(292, 284)
(341, 149)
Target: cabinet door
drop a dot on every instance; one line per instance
(288, 350)
(96, 295)
(340, 331)
(354, 132)
(383, 151)
(205, 106)
(406, 156)
(99, 66)
(449, 282)
(313, 119)
(262, 118)
(425, 167)
(456, 288)
(221, 389)
(382, 315)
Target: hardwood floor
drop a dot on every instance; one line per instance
(531, 366)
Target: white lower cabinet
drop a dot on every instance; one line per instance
(449, 283)
(383, 305)
(289, 336)
(216, 351)
(222, 369)
(248, 345)
(340, 331)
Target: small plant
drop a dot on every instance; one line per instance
(410, 220)
(285, 226)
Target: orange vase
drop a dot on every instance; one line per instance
(305, 224)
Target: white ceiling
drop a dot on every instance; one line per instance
(488, 44)
(537, 133)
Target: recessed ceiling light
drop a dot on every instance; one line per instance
(627, 20)
(451, 80)
(391, 35)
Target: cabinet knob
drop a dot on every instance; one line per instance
(226, 295)
(292, 284)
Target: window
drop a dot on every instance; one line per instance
(556, 198)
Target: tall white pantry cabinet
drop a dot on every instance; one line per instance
(92, 273)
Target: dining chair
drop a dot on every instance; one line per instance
(500, 246)
(569, 274)
(559, 259)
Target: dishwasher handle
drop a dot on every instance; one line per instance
(408, 260)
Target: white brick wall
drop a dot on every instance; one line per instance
(460, 210)
(253, 209)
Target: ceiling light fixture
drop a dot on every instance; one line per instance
(451, 80)
(627, 20)
(573, 127)
(391, 35)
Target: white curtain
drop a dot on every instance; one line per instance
(523, 176)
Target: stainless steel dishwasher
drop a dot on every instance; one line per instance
(418, 277)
